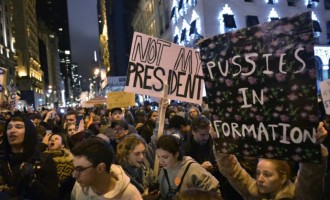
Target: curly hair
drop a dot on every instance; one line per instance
(126, 146)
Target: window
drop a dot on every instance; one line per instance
(192, 27)
(327, 4)
(251, 20)
(175, 39)
(274, 18)
(291, 2)
(173, 12)
(328, 32)
(316, 26)
(180, 4)
(229, 21)
(183, 35)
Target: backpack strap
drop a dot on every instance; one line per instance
(182, 177)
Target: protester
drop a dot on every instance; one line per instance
(193, 112)
(199, 146)
(273, 177)
(64, 164)
(178, 127)
(131, 156)
(24, 173)
(148, 127)
(96, 177)
(115, 114)
(179, 173)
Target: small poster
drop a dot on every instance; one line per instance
(120, 99)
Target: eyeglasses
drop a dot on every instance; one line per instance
(79, 170)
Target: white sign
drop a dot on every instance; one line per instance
(155, 62)
(325, 92)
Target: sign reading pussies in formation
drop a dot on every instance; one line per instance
(155, 62)
(261, 86)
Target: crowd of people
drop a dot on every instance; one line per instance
(100, 153)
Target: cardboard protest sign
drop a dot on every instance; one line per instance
(325, 93)
(261, 86)
(120, 99)
(155, 62)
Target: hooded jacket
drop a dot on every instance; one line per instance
(123, 189)
(37, 179)
(308, 184)
(196, 177)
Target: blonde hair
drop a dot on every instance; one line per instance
(126, 146)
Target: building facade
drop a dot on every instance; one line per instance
(54, 15)
(7, 62)
(29, 76)
(185, 22)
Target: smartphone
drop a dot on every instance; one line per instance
(79, 118)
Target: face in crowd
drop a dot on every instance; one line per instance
(136, 156)
(119, 132)
(70, 119)
(201, 136)
(84, 171)
(271, 176)
(116, 115)
(166, 159)
(15, 135)
(55, 142)
(154, 116)
(71, 129)
(193, 113)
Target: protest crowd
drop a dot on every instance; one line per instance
(172, 149)
(110, 154)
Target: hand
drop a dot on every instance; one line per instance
(152, 195)
(207, 165)
(321, 133)
(45, 140)
(138, 125)
(81, 126)
(213, 133)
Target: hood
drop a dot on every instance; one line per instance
(30, 138)
(121, 183)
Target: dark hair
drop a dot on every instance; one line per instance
(30, 138)
(200, 122)
(150, 114)
(72, 112)
(64, 142)
(177, 121)
(171, 144)
(96, 151)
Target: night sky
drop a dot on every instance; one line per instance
(84, 34)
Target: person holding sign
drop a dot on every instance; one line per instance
(273, 176)
(180, 172)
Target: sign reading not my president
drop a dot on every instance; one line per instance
(155, 62)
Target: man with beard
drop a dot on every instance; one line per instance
(199, 146)
(115, 114)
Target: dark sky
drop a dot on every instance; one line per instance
(84, 34)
